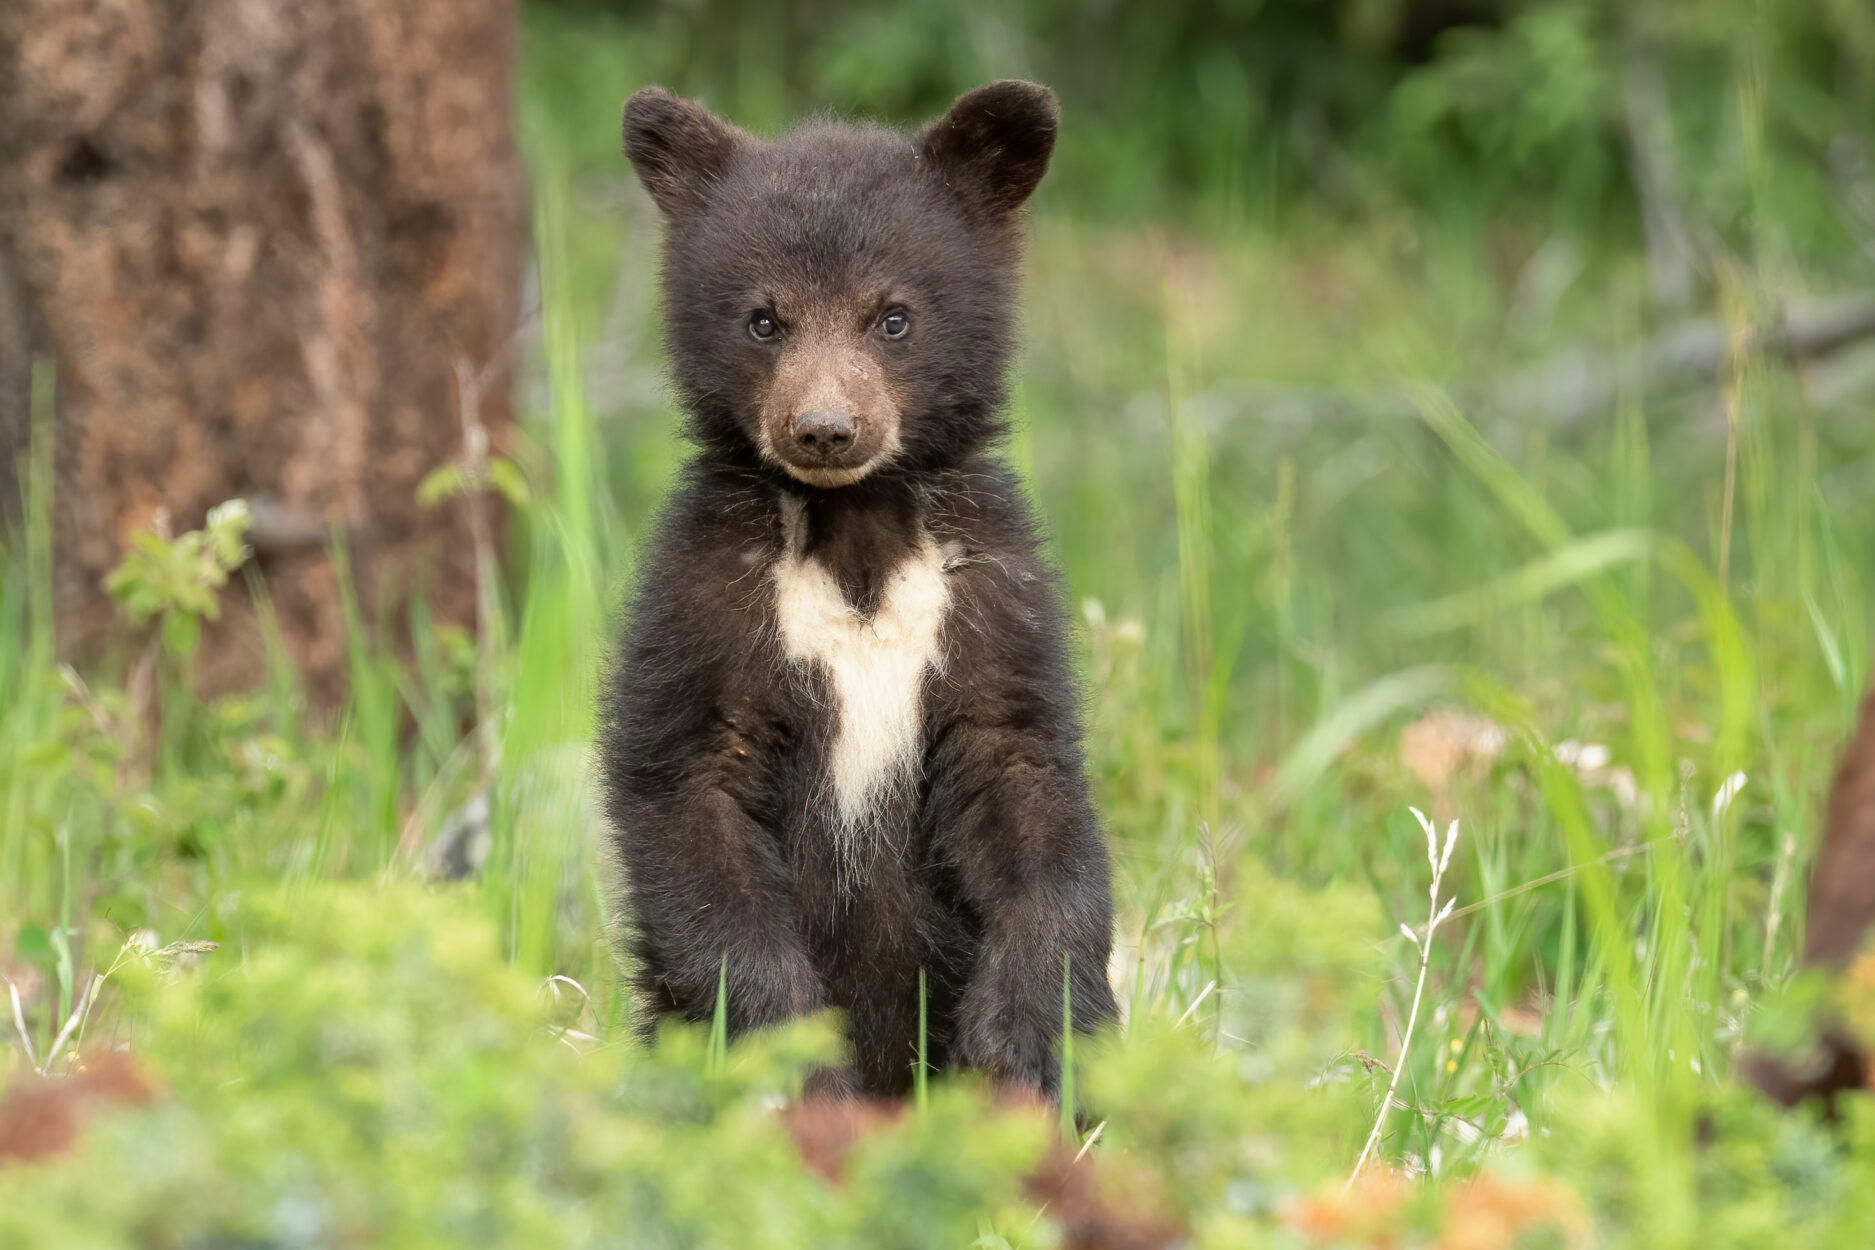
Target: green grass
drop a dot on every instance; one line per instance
(1266, 604)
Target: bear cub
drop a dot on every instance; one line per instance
(841, 741)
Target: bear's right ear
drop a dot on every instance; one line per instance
(678, 148)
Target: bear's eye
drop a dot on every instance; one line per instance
(762, 324)
(895, 323)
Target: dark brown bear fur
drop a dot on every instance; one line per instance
(838, 307)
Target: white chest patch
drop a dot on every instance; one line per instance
(875, 668)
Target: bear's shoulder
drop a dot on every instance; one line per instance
(704, 555)
(980, 510)
(712, 519)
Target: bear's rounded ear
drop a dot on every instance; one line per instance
(993, 146)
(678, 148)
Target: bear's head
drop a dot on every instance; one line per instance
(838, 301)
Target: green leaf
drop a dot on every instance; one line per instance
(443, 482)
(506, 478)
(61, 943)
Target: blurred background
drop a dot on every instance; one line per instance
(1467, 404)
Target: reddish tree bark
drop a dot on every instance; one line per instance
(257, 239)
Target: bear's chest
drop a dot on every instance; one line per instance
(874, 668)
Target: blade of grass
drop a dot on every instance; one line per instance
(920, 1093)
(1068, 1133)
(718, 1052)
(1568, 565)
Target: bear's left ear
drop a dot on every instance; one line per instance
(993, 146)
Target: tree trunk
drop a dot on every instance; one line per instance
(259, 241)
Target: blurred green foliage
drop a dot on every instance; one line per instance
(1253, 110)
(356, 1065)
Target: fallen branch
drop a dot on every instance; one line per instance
(1581, 384)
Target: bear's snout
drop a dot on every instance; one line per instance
(828, 417)
(823, 434)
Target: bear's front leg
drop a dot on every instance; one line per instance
(710, 900)
(1018, 826)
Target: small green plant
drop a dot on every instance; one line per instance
(177, 582)
(1438, 859)
(473, 473)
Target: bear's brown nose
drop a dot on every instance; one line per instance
(823, 433)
